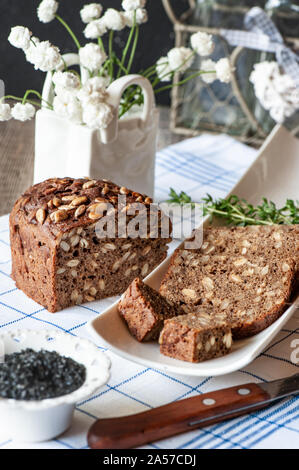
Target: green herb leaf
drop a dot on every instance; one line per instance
(237, 211)
(181, 198)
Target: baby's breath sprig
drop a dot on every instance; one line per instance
(88, 103)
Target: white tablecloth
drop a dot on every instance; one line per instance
(199, 165)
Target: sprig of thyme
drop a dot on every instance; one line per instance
(181, 198)
(237, 211)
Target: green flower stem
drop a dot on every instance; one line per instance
(100, 43)
(111, 71)
(64, 65)
(17, 98)
(36, 93)
(158, 79)
(150, 74)
(68, 30)
(133, 48)
(31, 92)
(104, 67)
(136, 91)
(128, 103)
(149, 69)
(126, 49)
(185, 80)
(129, 106)
(121, 66)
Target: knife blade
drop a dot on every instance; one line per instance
(188, 414)
(276, 390)
(282, 388)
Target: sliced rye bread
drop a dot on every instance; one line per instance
(144, 310)
(247, 272)
(63, 255)
(196, 337)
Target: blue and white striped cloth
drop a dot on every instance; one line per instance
(203, 164)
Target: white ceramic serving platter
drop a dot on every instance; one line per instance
(275, 175)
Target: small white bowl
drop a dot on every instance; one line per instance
(42, 420)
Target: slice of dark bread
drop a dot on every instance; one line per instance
(196, 337)
(246, 272)
(144, 310)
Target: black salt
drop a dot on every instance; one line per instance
(35, 375)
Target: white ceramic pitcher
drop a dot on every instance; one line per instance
(123, 153)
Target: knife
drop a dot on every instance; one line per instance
(188, 414)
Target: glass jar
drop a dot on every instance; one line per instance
(285, 14)
(231, 108)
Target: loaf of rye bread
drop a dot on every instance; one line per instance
(246, 272)
(59, 260)
(144, 310)
(196, 337)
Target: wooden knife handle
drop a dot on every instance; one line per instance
(175, 418)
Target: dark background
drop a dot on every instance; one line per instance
(156, 38)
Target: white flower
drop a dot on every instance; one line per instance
(66, 80)
(282, 82)
(294, 96)
(30, 51)
(141, 17)
(114, 19)
(95, 29)
(208, 65)
(69, 107)
(23, 112)
(34, 53)
(261, 73)
(202, 43)
(61, 65)
(223, 70)
(97, 116)
(180, 58)
(278, 113)
(164, 72)
(93, 90)
(92, 56)
(275, 90)
(260, 76)
(46, 10)
(20, 37)
(5, 112)
(91, 12)
(45, 56)
(63, 93)
(105, 78)
(130, 5)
